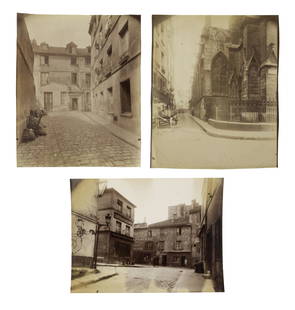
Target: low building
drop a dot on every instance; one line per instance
(62, 77)
(235, 77)
(25, 88)
(210, 233)
(115, 241)
(115, 70)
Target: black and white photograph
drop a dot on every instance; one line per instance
(78, 90)
(214, 91)
(146, 235)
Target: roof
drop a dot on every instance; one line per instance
(113, 190)
(183, 221)
(56, 50)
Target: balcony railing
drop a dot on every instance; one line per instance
(124, 57)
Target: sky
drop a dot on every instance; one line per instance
(58, 30)
(153, 196)
(186, 38)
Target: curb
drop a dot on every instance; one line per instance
(229, 136)
(114, 134)
(74, 287)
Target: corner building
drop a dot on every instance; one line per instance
(235, 77)
(115, 70)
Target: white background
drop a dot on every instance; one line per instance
(258, 203)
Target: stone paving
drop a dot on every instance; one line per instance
(74, 140)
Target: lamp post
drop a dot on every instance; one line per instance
(108, 218)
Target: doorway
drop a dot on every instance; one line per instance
(164, 260)
(74, 104)
(48, 101)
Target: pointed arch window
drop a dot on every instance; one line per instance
(219, 75)
(253, 80)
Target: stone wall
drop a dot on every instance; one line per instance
(25, 88)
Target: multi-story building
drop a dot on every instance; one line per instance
(25, 88)
(115, 70)
(173, 242)
(210, 233)
(162, 80)
(177, 211)
(235, 77)
(115, 241)
(62, 77)
(142, 253)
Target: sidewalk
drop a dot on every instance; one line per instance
(234, 134)
(91, 276)
(117, 131)
(190, 281)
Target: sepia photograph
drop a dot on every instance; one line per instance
(215, 91)
(146, 235)
(78, 90)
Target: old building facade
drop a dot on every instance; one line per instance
(210, 232)
(25, 88)
(162, 79)
(171, 242)
(115, 70)
(62, 77)
(115, 241)
(235, 77)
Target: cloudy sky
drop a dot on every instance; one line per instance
(153, 196)
(58, 30)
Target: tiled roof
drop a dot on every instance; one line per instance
(183, 221)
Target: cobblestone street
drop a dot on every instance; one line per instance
(75, 140)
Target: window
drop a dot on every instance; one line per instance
(149, 245)
(125, 96)
(87, 60)
(127, 230)
(73, 60)
(87, 79)
(44, 60)
(74, 78)
(119, 205)
(219, 74)
(178, 245)
(44, 78)
(110, 99)
(110, 51)
(174, 259)
(178, 231)
(128, 211)
(124, 39)
(150, 233)
(253, 82)
(118, 227)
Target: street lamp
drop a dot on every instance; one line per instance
(108, 218)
